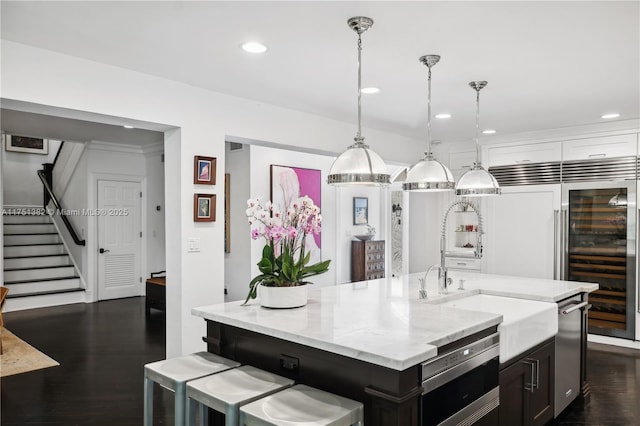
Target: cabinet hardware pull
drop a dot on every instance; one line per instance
(531, 385)
(575, 307)
(597, 155)
(526, 160)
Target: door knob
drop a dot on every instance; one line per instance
(103, 251)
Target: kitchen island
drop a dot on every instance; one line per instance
(367, 340)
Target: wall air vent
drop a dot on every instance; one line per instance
(623, 168)
(235, 146)
(527, 174)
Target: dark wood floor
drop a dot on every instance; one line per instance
(614, 376)
(102, 348)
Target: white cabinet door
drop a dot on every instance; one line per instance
(524, 154)
(521, 235)
(604, 147)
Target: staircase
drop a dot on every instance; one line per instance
(36, 262)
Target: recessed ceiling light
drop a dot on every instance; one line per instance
(444, 115)
(254, 47)
(488, 131)
(611, 115)
(128, 127)
(370, 90)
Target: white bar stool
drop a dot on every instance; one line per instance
(174, 373)
(302, 405)
(225, 392)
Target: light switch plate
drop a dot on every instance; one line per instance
(193, 245)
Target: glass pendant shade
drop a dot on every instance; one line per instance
(618, 200)
(477, 181)
(428, 174)
(359, 165)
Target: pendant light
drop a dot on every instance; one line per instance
(359, 165)
(477, 181)
(618, 200)
(429, 174)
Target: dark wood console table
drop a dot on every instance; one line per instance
(156, 294)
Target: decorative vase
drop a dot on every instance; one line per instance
(283, 297)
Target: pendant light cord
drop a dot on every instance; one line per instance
(359, 137)
(477, 125)
(429, 113)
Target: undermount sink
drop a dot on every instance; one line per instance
(525, 323)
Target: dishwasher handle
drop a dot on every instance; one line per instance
(566, 310)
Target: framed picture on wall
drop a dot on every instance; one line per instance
(26, 144)
(360, 210)
(288, 183)
(204, 207)
(204, 170)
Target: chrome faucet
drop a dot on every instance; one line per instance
(443, 281)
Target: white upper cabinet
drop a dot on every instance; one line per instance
(524, 154)
(602, 147)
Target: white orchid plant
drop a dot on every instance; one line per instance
(285, 260)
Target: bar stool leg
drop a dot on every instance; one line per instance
(180, 400)
(148, 402)
(204, 415)
(231, 416)
(191, 411)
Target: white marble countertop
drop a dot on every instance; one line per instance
(383, 321)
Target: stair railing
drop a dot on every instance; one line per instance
(59, 210)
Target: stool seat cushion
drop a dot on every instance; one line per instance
(171, 371)
(303, 405)
(235, 387)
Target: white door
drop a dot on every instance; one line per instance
(119, 239)
(522, 231)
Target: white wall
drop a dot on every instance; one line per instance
(237, 263)
(197, 121)
(75, 197)
(112, 161)
(154, 197)
(426, 210)
(21, 184)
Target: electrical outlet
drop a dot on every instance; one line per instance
(289, 363)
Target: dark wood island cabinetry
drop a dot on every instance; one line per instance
(527, 388)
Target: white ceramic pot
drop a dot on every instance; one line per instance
(283, 297)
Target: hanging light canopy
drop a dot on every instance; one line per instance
(429, 174)
(359, 165)
(477, 181)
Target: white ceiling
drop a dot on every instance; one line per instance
(548, 64)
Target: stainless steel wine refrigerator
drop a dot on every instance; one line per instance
(599, 246)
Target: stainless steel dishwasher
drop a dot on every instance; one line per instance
(568, 356)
